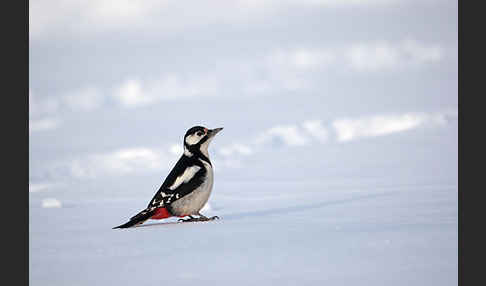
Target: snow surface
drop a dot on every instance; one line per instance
(337, 164)
(357, 232)
(51, 203)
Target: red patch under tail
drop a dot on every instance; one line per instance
(161, 213)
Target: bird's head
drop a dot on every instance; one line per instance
(197, 139)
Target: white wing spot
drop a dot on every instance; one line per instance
(185, 177)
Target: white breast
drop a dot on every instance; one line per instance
(195, 201)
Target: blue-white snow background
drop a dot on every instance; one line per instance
(337, 164)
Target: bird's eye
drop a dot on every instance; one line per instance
(199, 133)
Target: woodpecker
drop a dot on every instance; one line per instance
(187, 187)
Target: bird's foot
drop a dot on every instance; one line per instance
(205, 218)
(212, 218)
(200, 218)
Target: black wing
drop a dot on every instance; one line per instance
(165, 195)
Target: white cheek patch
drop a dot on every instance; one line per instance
(185, 177)
(192, 139)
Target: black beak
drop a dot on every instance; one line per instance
(214, 131)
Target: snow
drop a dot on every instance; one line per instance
(337, 165)
(51, 203)
(344, 232)
(373, 211)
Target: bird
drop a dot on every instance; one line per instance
(188, 186)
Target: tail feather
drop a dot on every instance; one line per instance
(137, 219)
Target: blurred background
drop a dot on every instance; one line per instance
(329, 95)
(305, 90)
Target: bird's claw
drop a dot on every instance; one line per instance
(201, 218)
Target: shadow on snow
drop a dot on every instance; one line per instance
(279, 211)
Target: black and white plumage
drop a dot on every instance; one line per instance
(186, 189)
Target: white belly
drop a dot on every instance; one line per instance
(192, 203)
